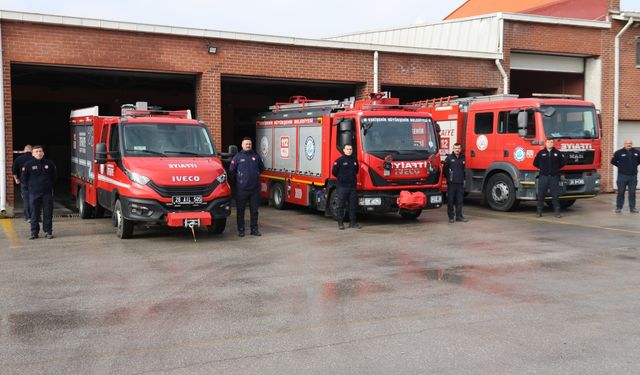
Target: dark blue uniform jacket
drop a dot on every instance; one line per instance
(38, 176)
(345, 169)
(247, 165)
(549, 162)
(454, 168)
(626, 161)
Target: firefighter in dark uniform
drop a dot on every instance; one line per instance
(454, 171)
(38, 175)
(627, 160)
(18, 163)
(345, 170)
(549, 161)
(247, 166)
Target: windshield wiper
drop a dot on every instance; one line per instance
(184, 153)
(148, 152)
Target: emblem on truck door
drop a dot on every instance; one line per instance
(264, 147)
(309, 148)
(482, 142)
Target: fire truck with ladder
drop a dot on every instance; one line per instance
(501, 134)
(147, 166)
(395, 145)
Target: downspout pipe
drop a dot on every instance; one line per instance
(376, 84)
(616, 89)
(505, 77)
(3, 148)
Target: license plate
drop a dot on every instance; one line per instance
(575, 181)
(186, 199)
(435, 199)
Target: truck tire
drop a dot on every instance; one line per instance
(217, 226)
(410, 215)
(276, 196)
(85, 210)
(124, 227)
(332, 205)
(500, 193)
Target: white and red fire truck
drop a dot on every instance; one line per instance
(396, 146)
(501, 134)
(147, 166)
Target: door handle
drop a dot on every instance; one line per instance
(473, 153)
(505, 153)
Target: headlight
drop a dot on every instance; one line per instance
(222, 178)
(138, 178)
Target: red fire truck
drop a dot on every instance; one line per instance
(396, 146)
(147, 166)
(501, 135)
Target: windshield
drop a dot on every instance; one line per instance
(166, 140)
(412, 136)
(570, 122)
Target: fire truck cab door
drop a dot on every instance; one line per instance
(108, 169)
(481, 140)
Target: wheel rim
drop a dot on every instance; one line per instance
(500, 193)
(277, 196)
(118, 218)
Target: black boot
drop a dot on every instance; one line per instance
(340, 225)
(556, 212)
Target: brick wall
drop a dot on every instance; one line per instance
(93, 48)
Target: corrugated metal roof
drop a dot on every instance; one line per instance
(478, 35)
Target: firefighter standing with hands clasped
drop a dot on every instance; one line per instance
(38, 176)
(345, 169)
(549, 160)
(627, 160)
(247, 165)
(454, 166)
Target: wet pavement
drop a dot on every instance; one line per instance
(505, 293)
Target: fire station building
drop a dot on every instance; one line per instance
(53, 64)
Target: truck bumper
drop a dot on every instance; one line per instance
(149, 210)
(573, 185)
(388, 200)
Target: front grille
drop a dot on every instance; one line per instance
(579, 157)
(170, 191)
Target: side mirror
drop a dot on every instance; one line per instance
(101, 153)
(523, 118)
(233, 150)
(346, 125)
(437, 127)
(549, 111)
(346, 138)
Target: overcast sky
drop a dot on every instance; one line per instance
(297, 18)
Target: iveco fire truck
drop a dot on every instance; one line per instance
(501, 134)
(147, 166)
(396, 146)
